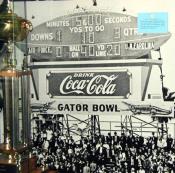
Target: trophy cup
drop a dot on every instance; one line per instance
(14, 150)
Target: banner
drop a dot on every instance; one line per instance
(113, 83)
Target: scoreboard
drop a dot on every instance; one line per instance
(92, 35)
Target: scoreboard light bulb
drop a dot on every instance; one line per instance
(124, 9)
(94, 3)
(77, 6)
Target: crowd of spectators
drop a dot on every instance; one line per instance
(111, 153)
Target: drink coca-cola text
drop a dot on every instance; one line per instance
(99, 84)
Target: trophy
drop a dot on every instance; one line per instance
(14, 151)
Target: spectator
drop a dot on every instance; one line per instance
(169, 142)
(86, 169)
(103, 154)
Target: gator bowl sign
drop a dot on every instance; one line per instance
(116, 84)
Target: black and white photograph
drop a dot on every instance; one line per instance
(87, 86)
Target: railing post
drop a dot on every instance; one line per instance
(141, 129)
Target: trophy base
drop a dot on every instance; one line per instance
(6, 167)
(16, 160)
(25, 166)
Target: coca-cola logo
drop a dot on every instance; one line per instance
(115, 83)
(98, 84)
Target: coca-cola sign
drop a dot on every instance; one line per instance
(115, 83)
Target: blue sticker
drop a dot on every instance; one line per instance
(153, 22)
